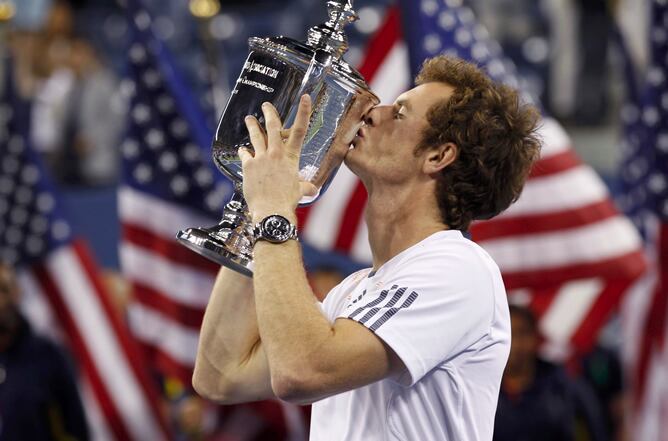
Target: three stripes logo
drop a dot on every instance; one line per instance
(390, 301)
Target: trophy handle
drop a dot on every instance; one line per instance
(228, 243)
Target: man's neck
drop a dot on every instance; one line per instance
(398, 218)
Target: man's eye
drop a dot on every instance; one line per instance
(398, 115)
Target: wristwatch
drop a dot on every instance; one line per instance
(275, 229)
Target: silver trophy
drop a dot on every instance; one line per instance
(280, 70)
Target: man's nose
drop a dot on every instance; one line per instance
(375, 115)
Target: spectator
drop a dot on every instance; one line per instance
(39, 400)
(602, 370)
(595, 26)
(537, 399)
(77, 113)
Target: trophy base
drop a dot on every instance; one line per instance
(206, 242)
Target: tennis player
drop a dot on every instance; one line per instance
(413, 348)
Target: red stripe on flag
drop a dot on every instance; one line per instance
(168, 249)
(554, 164)
(654, 326)
(381, 44)
(107, 405)
(127, 344)
(165, 363)
(629, 265)
(184, 315)
(607, 301)
(302, 216)
(352, 219)
(543, 223)
(542, 299)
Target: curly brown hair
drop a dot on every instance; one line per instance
(496, 141)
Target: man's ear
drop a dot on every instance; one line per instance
(439, 157)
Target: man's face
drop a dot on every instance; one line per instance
(384, 147)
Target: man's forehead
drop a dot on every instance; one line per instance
(425, 94)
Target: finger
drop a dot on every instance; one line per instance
(257, 135)
(308, 189)
(298, 129)
(244, 155)
(272, 121)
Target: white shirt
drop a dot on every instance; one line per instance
(441, 306)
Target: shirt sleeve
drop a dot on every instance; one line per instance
(430, 307)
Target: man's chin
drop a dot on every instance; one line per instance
(352, 161)
(349, 159)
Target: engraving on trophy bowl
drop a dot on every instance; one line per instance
(263, 78)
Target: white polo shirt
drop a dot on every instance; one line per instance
(441, 306)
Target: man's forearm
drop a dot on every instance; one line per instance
(294, 331)
(229, 335)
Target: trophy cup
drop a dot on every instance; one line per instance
(280, 70)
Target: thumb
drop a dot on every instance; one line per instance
(308, 189)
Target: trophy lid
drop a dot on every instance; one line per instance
(329, 36)
(289, 48)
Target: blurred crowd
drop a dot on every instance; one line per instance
(77, 114)
(78, 120)
(78, 105)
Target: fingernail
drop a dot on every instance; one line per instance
(265, 104)
(248, 117)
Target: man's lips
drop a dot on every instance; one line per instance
(360, 132)
(358, 135)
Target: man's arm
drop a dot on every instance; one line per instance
(231, 365)
(308, 357)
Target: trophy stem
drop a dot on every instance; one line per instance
(230, 242)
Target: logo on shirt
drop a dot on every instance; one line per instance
(389, 302)
(359, 297)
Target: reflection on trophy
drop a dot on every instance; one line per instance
(280, 70)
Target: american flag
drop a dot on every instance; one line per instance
(644, 177)
(63, 295)
(562, 247)
(169, 183)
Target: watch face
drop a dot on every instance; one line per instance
(276, 228)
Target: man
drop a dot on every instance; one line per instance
(538, 399)
(413, 348)
(39, 399)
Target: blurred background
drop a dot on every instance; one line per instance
(108, 108)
